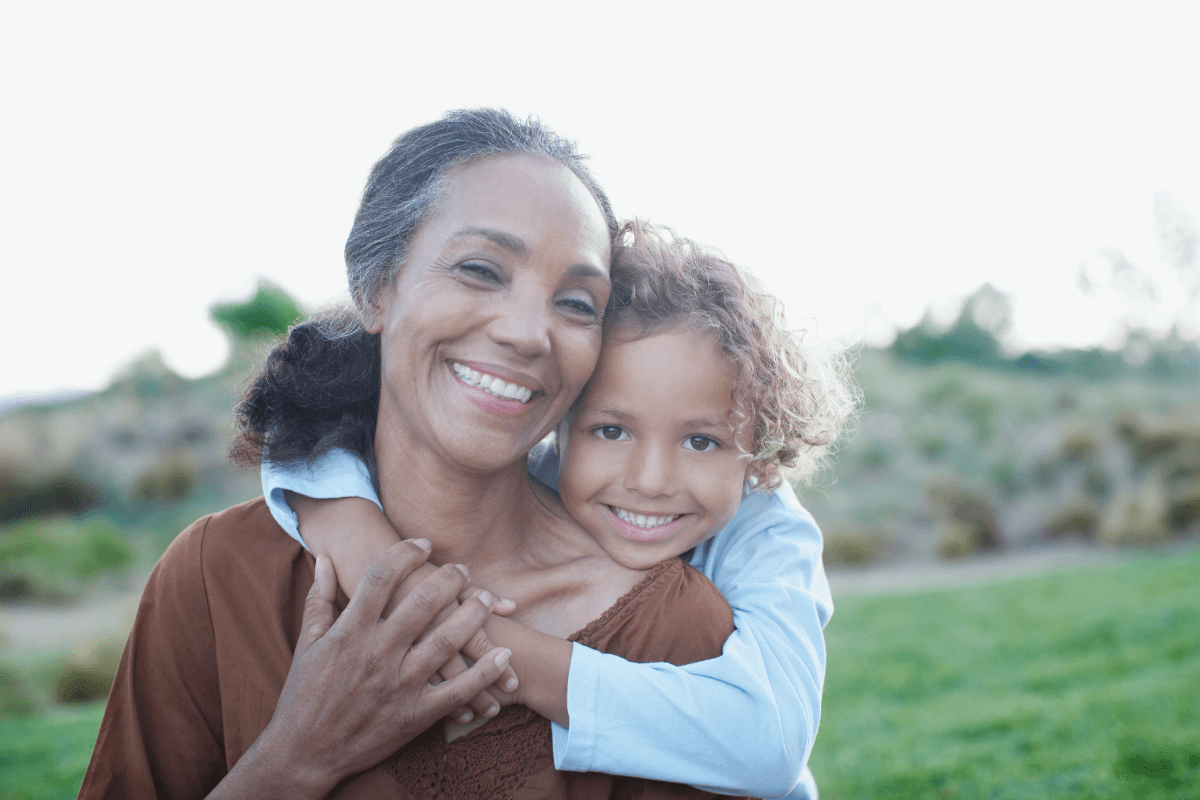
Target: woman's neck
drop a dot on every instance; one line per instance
(516, 539)
(466, 515)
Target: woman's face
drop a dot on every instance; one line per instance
(492, 326)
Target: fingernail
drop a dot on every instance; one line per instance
(463, 569)
(511, 685)
(503, 656)
(424, 544)
(492, 711)
(486, 598)
(465, 717)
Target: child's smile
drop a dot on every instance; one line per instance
(653, 462)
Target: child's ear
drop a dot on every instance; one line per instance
(749, 474)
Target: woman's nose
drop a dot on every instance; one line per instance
(523, 324)
(650, 472)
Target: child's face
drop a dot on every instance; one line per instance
(653, 464)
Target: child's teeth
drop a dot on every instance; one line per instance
(642, 520)
(491, 384)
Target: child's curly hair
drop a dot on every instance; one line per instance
(798, 400)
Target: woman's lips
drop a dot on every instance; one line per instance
(638, 533)
(490, 392)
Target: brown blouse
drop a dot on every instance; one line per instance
(212, 644)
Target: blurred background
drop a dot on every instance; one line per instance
(993, 209)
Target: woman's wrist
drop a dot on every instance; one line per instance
(272, 769)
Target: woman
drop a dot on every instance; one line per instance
(505, 244)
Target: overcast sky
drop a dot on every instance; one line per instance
(868, 160)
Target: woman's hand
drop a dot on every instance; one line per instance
(353, 532)
(359, 686)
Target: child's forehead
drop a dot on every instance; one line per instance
(669, 366)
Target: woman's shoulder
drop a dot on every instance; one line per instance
(674, 614)
(238, 557)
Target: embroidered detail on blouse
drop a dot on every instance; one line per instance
(492, 761)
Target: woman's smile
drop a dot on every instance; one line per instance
(491, 392)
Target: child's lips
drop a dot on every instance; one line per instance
(644, 532)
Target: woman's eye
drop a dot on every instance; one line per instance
(613, 433)
(579, 305)
(700, 443)
(482, 272)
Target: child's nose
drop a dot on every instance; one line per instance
(651, 473)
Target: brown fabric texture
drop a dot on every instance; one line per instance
(212, 644)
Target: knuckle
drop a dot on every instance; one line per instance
(424, 602)
(477, 645)
(441, 642)
(380, 576)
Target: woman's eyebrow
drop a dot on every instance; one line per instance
(588, 271)
(513, 244)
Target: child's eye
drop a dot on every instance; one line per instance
(613, 433)
(700, 443)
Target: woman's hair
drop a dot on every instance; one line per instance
(320, 387)
(796, 399)
(405, 184)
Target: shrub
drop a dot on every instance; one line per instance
(971, 520)
(855, 547)
(50, 560)
(1183, 506)
(59, 493)
(168, 480)
(88, 673)
(270, 312)
(1080, 518)
(1138, 517)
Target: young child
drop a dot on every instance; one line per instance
(698, 397)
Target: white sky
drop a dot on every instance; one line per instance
(869, 160)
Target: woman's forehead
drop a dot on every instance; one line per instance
(522, 198)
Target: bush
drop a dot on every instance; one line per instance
(51, 560)
(971, 520)
(854, 547)
(1183, 506)
(60, 493)
(88, 673)
(1138, 517)
(270, 312)
(168, 480)
(1080, 518)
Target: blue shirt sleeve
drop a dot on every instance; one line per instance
(335, 474)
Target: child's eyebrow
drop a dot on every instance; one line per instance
(609, 412)
(707, 422)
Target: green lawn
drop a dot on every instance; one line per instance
(44, 757)
(1082, 684)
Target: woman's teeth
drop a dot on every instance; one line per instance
(641, 520)
(497, 387)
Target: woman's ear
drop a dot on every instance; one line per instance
(370, 314)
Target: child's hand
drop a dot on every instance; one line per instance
(486, 703)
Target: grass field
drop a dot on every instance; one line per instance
(1082, 684)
